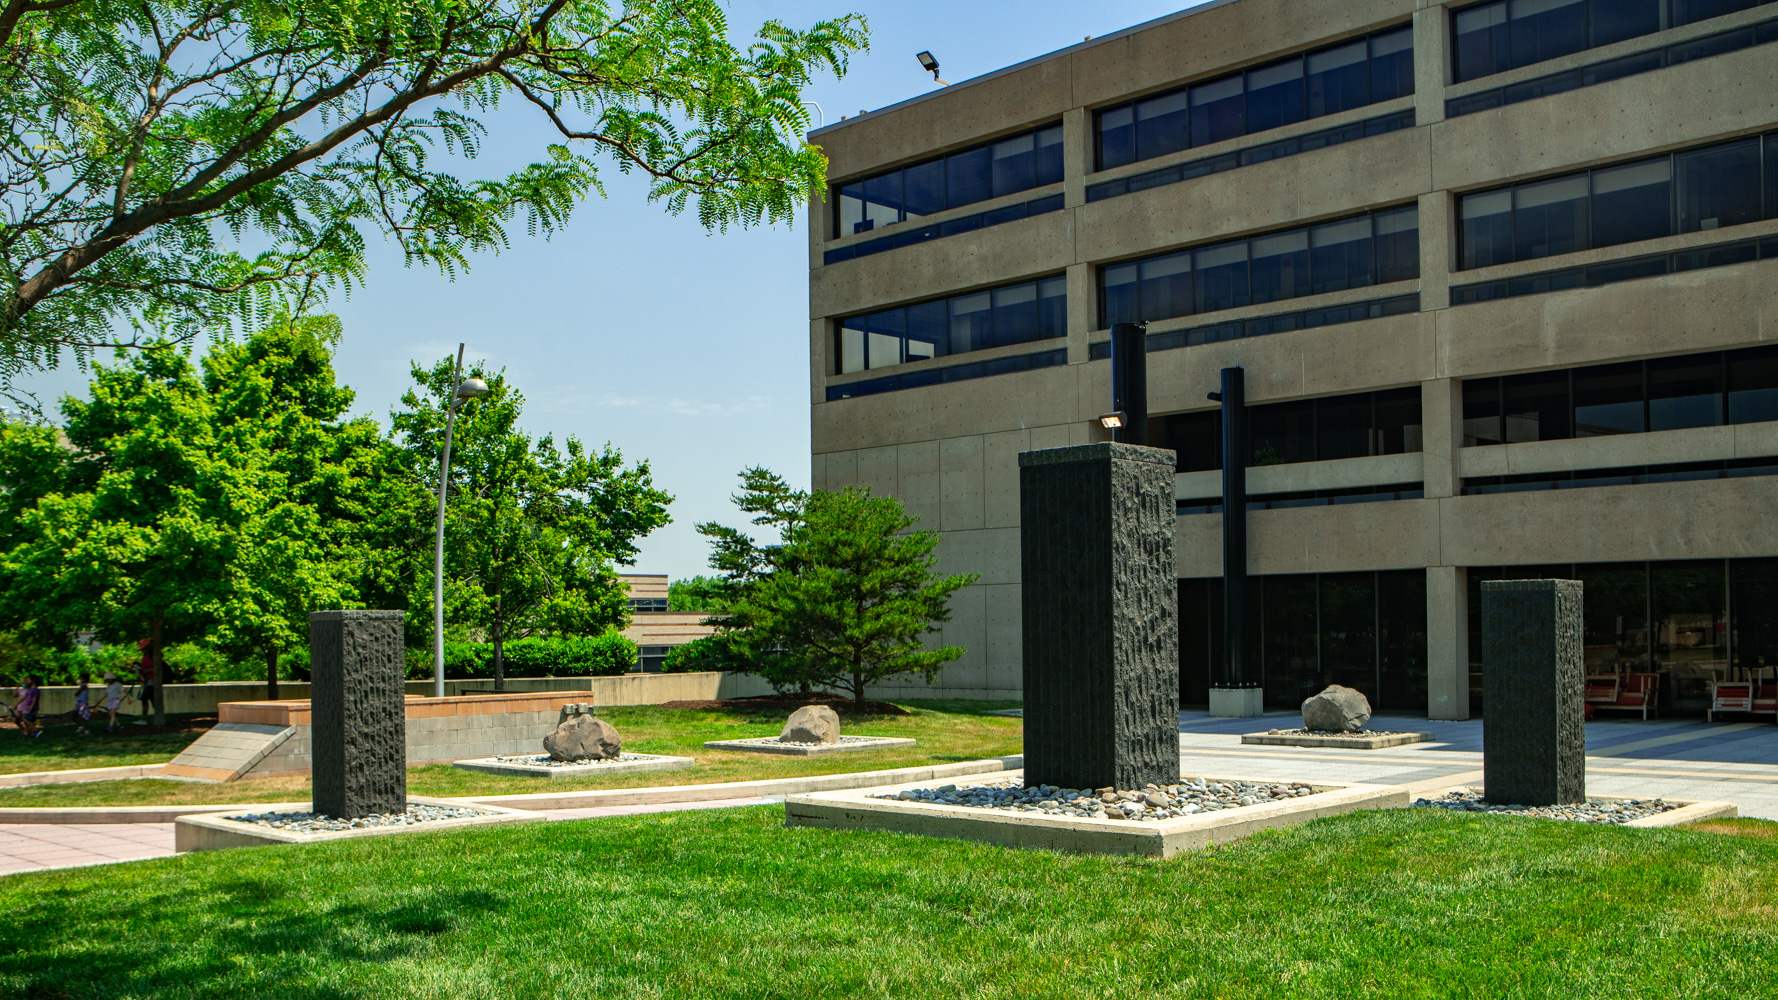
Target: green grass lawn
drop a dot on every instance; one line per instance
(948, 731)
(60, 748)
(727, 903)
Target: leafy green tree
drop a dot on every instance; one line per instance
(748, 640)
(847, 595)
(183, 167)
(704, 594)
(532, 530)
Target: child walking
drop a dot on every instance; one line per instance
(25, 711)
(113, 698)
(83, 708)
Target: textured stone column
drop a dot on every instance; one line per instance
(357, 697)
(1533, 732)
(1100, 616)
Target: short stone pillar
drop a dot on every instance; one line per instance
(359, 712)
(1534, 739)
(1100, 616)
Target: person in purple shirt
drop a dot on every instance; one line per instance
(25, 711)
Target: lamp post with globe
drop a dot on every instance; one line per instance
(471, 388)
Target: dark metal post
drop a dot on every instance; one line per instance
(1234, 527)
(1129, 381)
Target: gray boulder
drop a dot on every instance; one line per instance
(1337, 710)
(812, 724)
(584, 738)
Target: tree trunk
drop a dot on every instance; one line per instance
(858, 686)
(159, 660)
(499, 648)
(271, 673)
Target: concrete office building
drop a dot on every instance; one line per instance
(1502, 278)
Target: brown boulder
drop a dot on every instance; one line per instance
(812, 724)
(584, 738)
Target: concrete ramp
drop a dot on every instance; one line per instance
(227, 751)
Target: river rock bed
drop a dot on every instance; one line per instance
(1363, 734)
(1150, 804)
(1616, 811)
(800, 743)
(545, 760)
(313, 822)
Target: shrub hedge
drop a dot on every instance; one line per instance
(573, 656)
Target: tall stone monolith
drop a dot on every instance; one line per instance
(1534, 739)
(1100, 616)
(358, 711)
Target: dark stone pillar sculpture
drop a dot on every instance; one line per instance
(1534, 739)
(359, 712)
(1100, 616)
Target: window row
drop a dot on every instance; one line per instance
(949, 227)
(1363, 630)
(1494, 37)
(1633, 64)
(1309, 498)
(1636, 475)
(1370, 249)
(950, 373)
(1727, 184)
(1339, 135)
(1629, 397)
(994, 317)
(1260, 326)
(1324, 82)
(1613, 271)
(1386, 422)
(1685, 620)
(1006, 166)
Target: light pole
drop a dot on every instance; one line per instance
(468, 389)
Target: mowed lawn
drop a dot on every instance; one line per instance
(947, 732)
(728, 903)
(60, 748)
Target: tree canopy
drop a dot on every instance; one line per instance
(178, 167)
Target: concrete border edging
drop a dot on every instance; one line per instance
(770, 744)
(650, 762)
(857, 809)
(27, 779)
(1691, 812)
(1339, 742)
(215, 832)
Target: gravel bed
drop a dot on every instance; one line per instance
(1590, 811)
(545, 760)
(312, 822)
(797, 743)
(1150, 804)
(1363, 734)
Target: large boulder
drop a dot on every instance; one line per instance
(584, 738)
(1337, 710)
(812, 724)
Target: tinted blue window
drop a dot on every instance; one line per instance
(1117, 137)
(1121, 303)
(851, 345)
(1275, 95)
(1166, 287)
(883, 338)
(1163, 125)
(1392, 65)
(924, 188)
(1014, 164)
(1398, 244)
(967, 178)
(1341, 255)
(1015, 315)
(928, 330)
(1052, 307)
(1339, 79)
(1280, 266)
(1685, 392)
(1049, 156)
(1753, 385)
(1487, 228)
(1632, 203)
(1616, 20)
(1718, 187)
(1219, 276)
(1546, 29)
(1216, 112)
(972, 319)
(1688, 11)
(1772, 176)
(1608, 400)
(1483, 42)
(1550, 218)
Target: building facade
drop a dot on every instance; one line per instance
(1502, 279)
(654, 627)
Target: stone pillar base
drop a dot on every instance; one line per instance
(1237, 703)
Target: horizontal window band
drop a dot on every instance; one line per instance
(1614, 271)
(1634, 64)
(952, 373)
(1259, 326)
(1308, 498)
(1254, 154)
(951, 227)
(1638, 475)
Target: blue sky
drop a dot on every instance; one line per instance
(639, 328)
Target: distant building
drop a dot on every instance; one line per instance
(653, 628)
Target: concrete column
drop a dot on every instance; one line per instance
(1441, 436)
(1100, 616)
(1447, 642)
(1432, 56)
(357, 697)
(1077, 156)
(1438, 249)
(1082, 314)
(1534, 739)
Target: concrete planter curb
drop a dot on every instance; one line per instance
(1689, 813)
(770, 744)
(858, 810)
(217, 831)
(1339, 742)
(77, 775)
(650, 762)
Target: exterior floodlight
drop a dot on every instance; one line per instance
(1112, 421)
(472, 388)
(930, 65)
